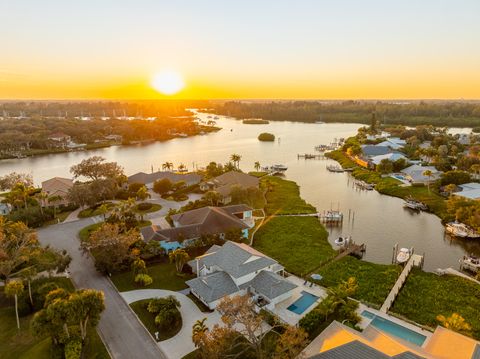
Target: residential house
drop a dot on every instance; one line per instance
(58, 186)
(338, 341)
(394, 143)
(5, 209)
(415, 174)
(223, 184)
(60, 137)
(394, 156)
(375, 150)
(149, 178)
(469, 191)
(238, 269)
(191, 225)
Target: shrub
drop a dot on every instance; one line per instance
(144, 206)
(134, 187)
(455, 177)
(143, 279)
(265, 136)
(162, 186)
(73, 349)
(123, 195)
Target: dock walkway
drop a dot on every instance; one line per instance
(414, 261)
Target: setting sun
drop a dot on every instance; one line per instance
(168, 82)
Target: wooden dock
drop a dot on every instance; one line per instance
(310, 156)
(415, 260)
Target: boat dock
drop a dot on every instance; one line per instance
(310, 156)
(415, 260)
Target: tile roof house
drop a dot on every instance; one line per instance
(238, 269)
(338, 341)
(223, 184)
(148, 178)
(58, 186)
(414, 174)
(191, 225)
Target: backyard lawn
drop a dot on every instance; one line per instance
(298, 243)
(426, 295)
(164, 276)
(374, 280)
(94, 211)
(148, 319)
(283, 197)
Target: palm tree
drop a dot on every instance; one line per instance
(54, 200)
(236, 159)
(450, 188)
(182, 167)
(198, 330)
(167, 166)
(142, 194)
(179, 257)
(42, 198)
(454, 322)
(13, 289)
(428, 174)
(257, 166)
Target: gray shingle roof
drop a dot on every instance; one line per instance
(146, 178)
(271, 285)
(407, 355)
(213, 287)
(374, 150)
(352, 350)
(236, 259)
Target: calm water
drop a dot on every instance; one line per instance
(379, 221)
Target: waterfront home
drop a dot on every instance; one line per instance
(57, 186)
(338, 341)
(394, 143)
(375, 150)
(191, 225)
(223, 184)
(415, 174)
(60, 137)
(238, 269)
(394, 156)
(149, 178)
(5, 209)
(469, 191)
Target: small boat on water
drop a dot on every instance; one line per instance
(343, 241)
(403, 255)
(365, 185)
(333, 216)
(470, 263)
(414, 204)
(461, 230)
(335, 168)
(280, 168)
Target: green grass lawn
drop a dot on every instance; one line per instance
(86, 231)
(298, 243)
(374, 280)
(164, 276)
(148, 319)
(426, 295)
(22, 344)
(90, 212)
(283, 197)
(154, 208)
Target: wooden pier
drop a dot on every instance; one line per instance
(310, 156)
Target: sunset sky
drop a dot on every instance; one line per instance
(55, 49)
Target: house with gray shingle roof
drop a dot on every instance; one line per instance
(149, 178)
(238, 269)
(191, 225)
(223, 184)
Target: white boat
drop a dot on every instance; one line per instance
(335, 168)
(461, 230)
(414, 204)
(281, 168)
(471, 263)
(333, 216)
(365, 185)
(343, 241)
(403, 255)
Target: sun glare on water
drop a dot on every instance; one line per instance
(168, 82)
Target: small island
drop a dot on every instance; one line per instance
(255, 121)
(265, 136)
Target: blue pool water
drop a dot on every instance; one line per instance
(394, 329)
(302, 303)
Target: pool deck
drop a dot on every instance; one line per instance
(365, 323)
(293, 318)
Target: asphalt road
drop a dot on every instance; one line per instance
(119, 328)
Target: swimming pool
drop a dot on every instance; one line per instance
(394, 328)
(302, 303)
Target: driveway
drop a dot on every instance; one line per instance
(121, 331)
(181, 344)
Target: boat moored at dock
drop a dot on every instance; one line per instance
(461, 230)
(470, 263)
(414, 204)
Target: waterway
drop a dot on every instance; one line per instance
(377, 220)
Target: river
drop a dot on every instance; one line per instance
(378, 221)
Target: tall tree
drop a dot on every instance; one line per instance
(257, 166)
(96, 168)
(10, 180)
(429, 174)
(180, 257)
(13, 289)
